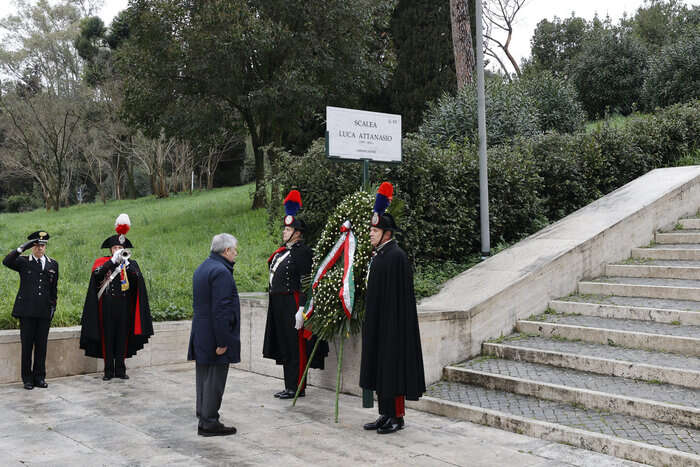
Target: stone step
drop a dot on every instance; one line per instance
(690, 223)
(678, 236)
(623, 436)
(657, 269)
(599, 358)
(636, 334)
(685, 251)
(674, 289)
(639, 308)
(655, 401)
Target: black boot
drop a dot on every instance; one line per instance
(377, 423)
(392, 425)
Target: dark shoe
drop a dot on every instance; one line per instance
(377, 423)
(290, 394)
(220, 430)
(277, 394)
(124, 376)
(392, 425)
(28, 386)
(106, 377)
(41, 384)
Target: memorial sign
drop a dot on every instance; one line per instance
(362, 135)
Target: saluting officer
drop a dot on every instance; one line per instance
(285, 339)
(116, 320)
(35, 304)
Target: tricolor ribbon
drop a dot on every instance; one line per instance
(345, 246)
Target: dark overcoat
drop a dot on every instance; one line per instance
(392, 359)
(38, 292)
(216, 318)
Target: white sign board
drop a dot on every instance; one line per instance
(358, 134)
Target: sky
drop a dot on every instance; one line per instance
(526, 21)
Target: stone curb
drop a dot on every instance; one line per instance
(616, 403)
(666, 253)
(602, 366)
(656, 272)
(658, 315)
(693, 223)
(677, 237)
(610, 445)
(635, 290)
(638, 340)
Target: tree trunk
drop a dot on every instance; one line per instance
(257, 141)
(462, 42)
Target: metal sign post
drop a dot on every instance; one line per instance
(481, 107)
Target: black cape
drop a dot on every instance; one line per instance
(392, 359)
(139, 325)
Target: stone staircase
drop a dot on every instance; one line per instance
(614, 368)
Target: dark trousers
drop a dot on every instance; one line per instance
(287, 338)
(34, 334)
(114, 321)
(211, 382)
(392, 406)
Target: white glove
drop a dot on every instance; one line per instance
(117, 257)
(299, 318)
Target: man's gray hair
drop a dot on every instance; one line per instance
(222, 241)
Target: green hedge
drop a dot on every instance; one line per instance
(439, 189)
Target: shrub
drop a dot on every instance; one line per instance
(510, 112)
(556, 100)
(668, 134)
(439, 189)
(673, 76)
(609, 72)
(21, 203)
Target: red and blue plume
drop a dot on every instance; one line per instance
(384, 195)
(292, 203)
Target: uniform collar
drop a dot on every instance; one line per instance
(386, 246)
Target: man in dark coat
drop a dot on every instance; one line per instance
(215, 338)
(392, 359)
(116, 321)
(35, 304)
(285, 339)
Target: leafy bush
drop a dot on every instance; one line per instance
(673, 76)
(668, 134)
(510, 112)
(609, 72)
(439, 189)
(21, 203)
(556, 100)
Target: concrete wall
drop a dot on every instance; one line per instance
(481, 303)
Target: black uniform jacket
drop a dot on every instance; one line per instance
(139, 322)
(392, 359)
(286, 293)
(37, 288)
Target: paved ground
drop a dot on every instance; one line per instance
(149, 420)
(622, 426)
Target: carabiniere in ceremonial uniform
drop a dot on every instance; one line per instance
(286, 341)
(35, 304)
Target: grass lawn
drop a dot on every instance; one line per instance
(171, 238)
